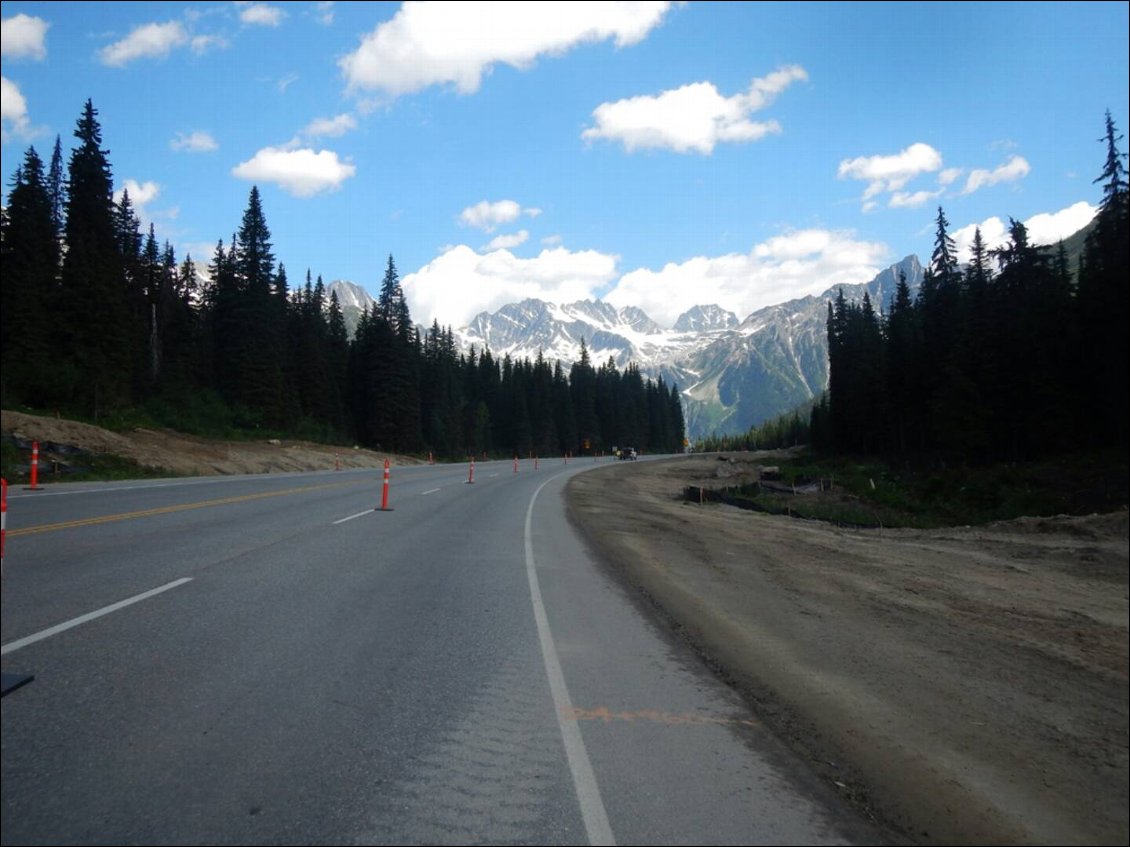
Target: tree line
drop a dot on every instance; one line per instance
(1012, 356)
(98, 317)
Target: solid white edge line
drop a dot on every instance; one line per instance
(584, 779)
(13, 646)
(351, 517)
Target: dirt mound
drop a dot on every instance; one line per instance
(176, 453)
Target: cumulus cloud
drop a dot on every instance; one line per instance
(261, 14)
(439, 43)
(330, 127)
(1044, 228)
(911, 200)
(201, 44)
(507, 242)
(460, 283)
(892, 172)
(324, 12)
(949, 175)
(1015, 168)
(14, 120)
(551, 240)
(23, 37)
(302, 173)
(140, 193)
(148, 41)
(488, 216)
(785, 267)
(693, 118)
(194, 142)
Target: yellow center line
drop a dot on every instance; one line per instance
(164, 510)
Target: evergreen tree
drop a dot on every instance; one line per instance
(30, 252)
(95, 338)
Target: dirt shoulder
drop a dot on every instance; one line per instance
(184, 455)
(963, 686)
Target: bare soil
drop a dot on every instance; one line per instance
(184, 455)
(962, 686)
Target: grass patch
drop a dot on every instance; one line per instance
(870, 492)
(72, 466)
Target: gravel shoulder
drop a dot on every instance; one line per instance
(961, 686)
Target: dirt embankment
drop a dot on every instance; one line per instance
(165, 450)
(964, 685)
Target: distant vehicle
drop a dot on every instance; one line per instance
(628, 453)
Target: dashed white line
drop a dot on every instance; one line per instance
(351, 517)
(430, 491)
(12, 646)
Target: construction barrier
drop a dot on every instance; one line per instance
(35, 466)
(384, 490)
(9, 682)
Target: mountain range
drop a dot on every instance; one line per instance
(732, 373)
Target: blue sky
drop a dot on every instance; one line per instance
(653, 154)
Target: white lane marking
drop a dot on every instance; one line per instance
(584, 779)
(493, 475)
(351, 517)
(431, 491)
(13, 646)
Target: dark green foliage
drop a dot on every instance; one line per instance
(29, 287)
(1007, 360)
(117, 330)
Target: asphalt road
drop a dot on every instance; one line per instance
(270, 660)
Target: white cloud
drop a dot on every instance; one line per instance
(302, 173)
(1015, 168)
(507, 242)
(1050, 227)
(201, 44)
(460, 283)
(551, 240)
(908, 200)
(693, 118)
(23, 37)
(949, 175)
(488, 216)
(261, 14)
(456, 43)
(324, 12)
(893, 172)
(14, 119)
(331, 127)
(139, 193)
(286, 82)
(194, 142)
(797, 264)
(149, 41)
(1044, 228)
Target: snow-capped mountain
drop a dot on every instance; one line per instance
(353, 300)
(732, 375)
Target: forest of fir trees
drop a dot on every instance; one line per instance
(1017, 355)
(98, 318)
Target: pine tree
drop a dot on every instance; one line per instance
(28, 287)
(1102, 302)
(97, 320)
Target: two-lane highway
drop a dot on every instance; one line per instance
(269, 659)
